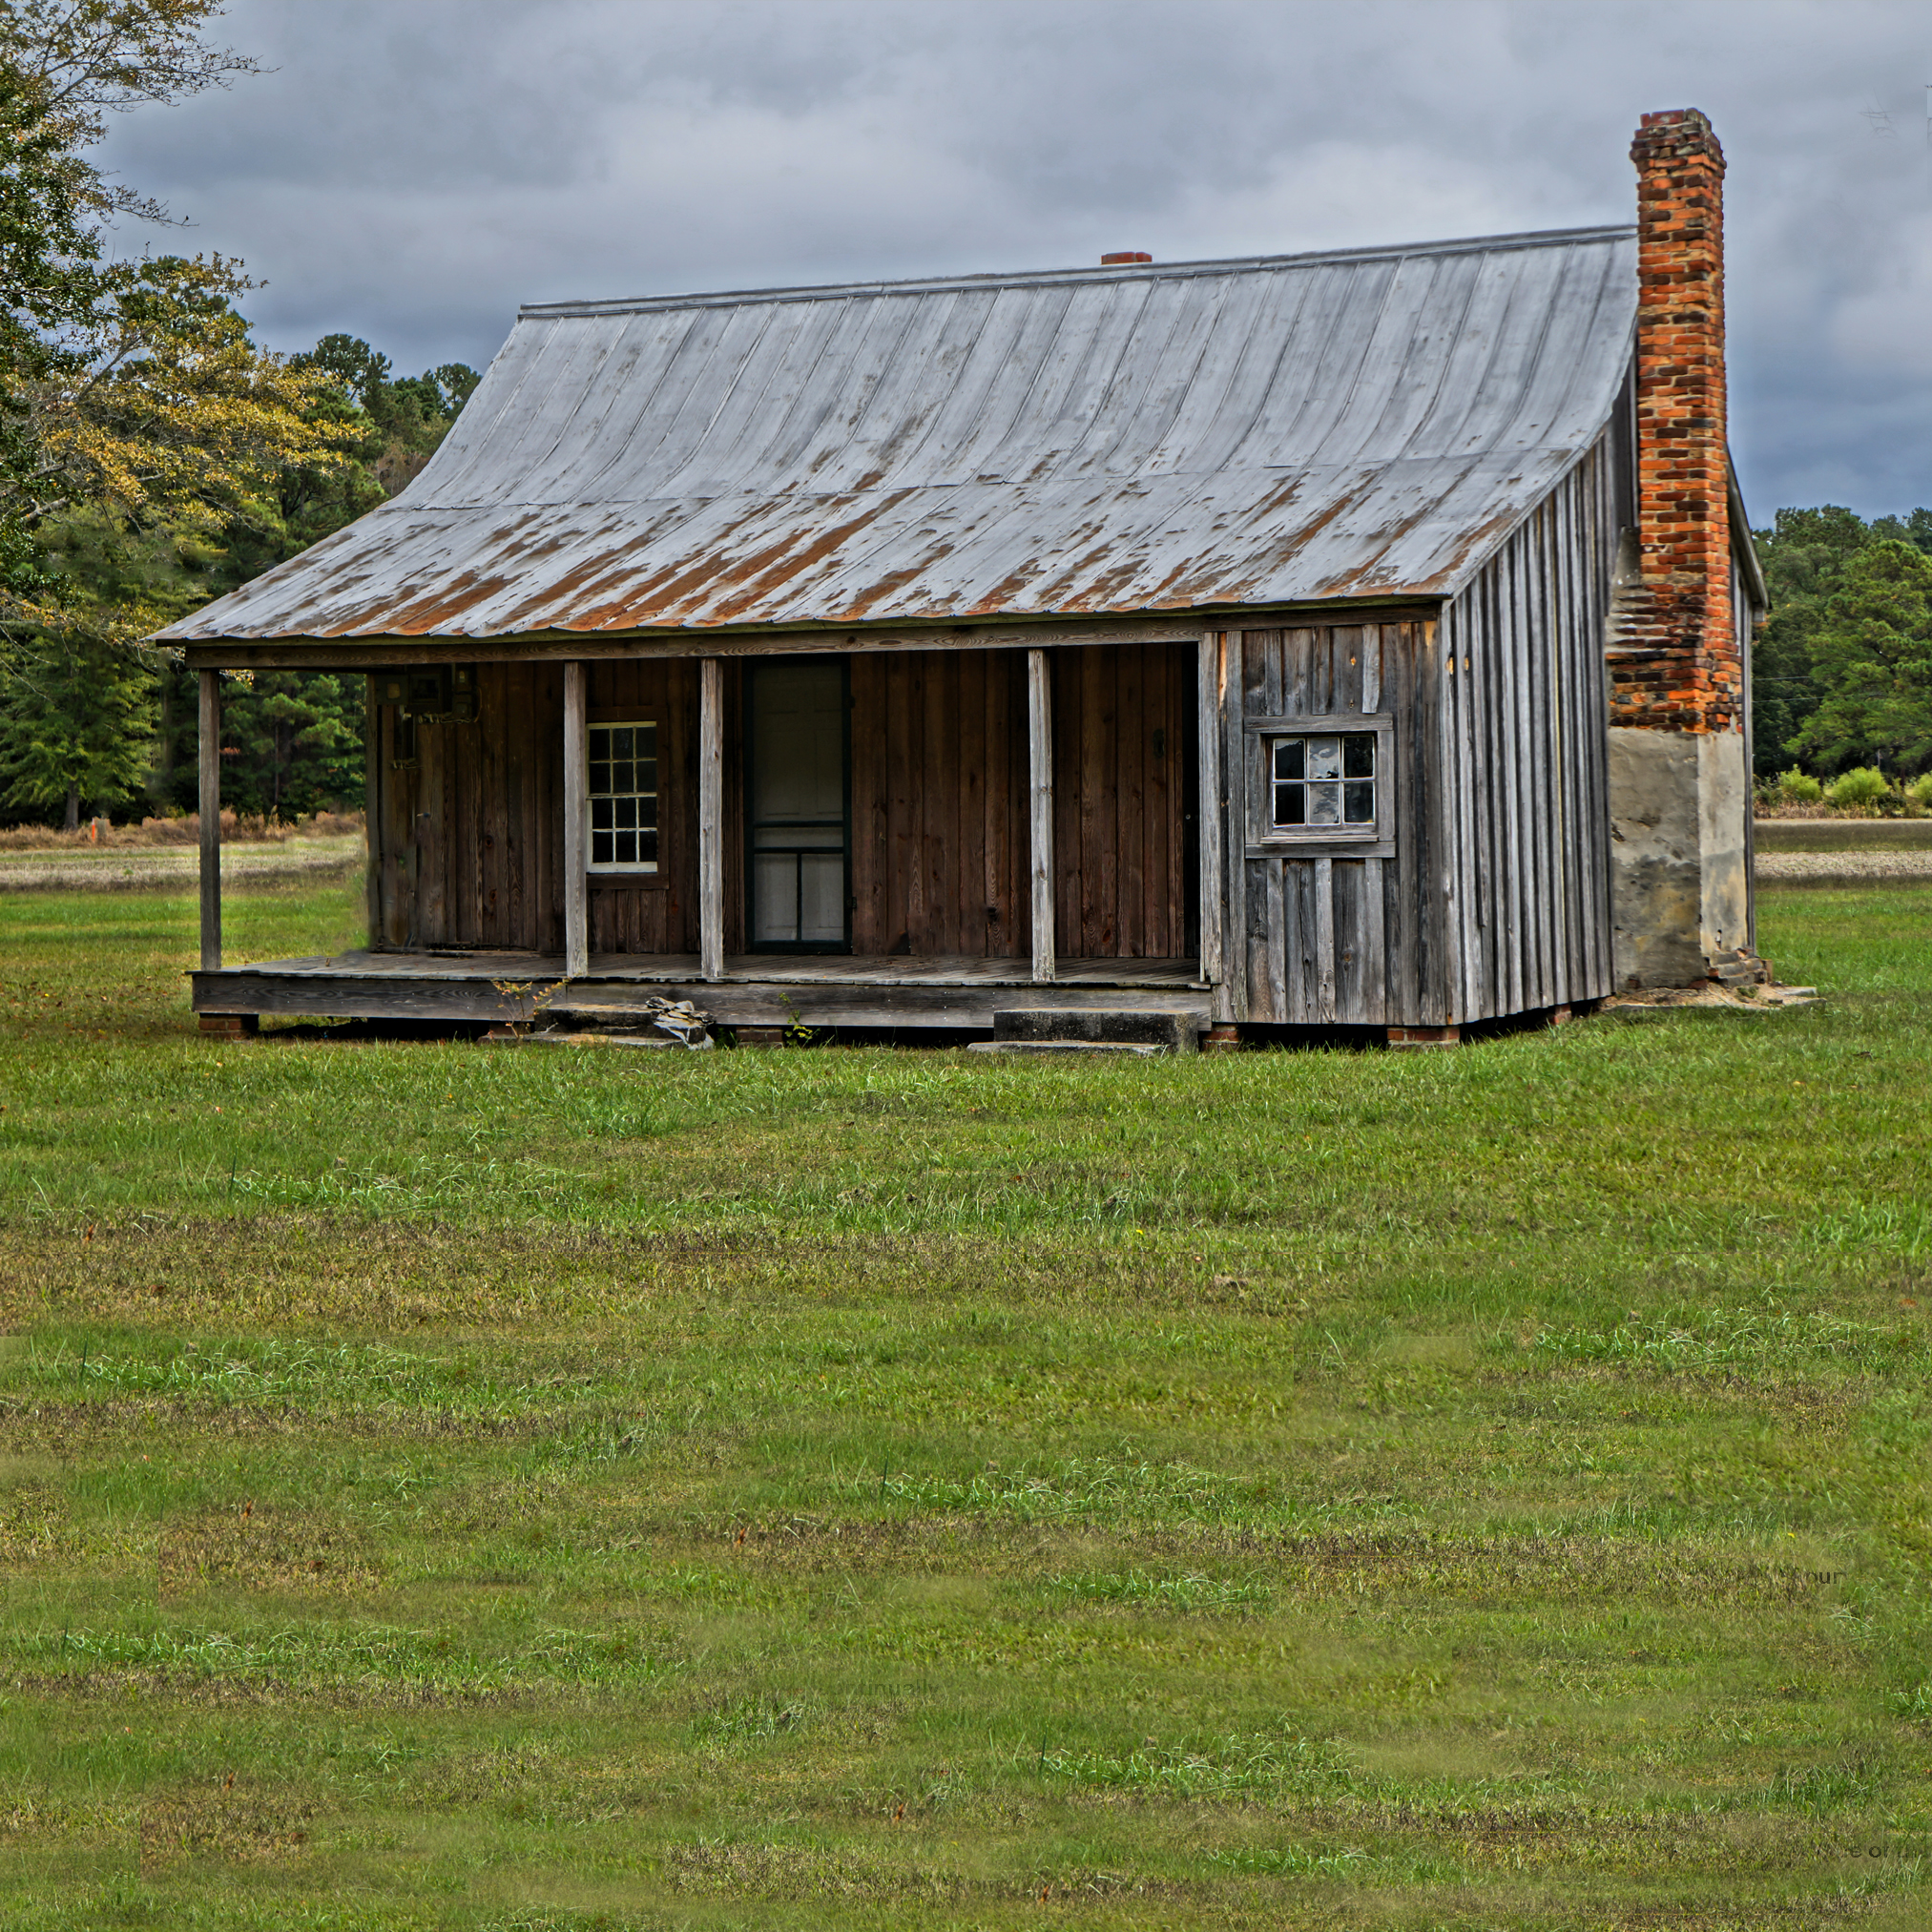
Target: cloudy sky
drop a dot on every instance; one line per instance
(413, 169)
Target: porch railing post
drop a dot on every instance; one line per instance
(210, 757)
(710, 819)
(1040, 769)
(576, 812)
(1212, 809)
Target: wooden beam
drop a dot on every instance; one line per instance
(1040, 789)
(711, 820)
(1213, 810)
(576, 819)
(372, 807)
(211, 820)
(351, 653)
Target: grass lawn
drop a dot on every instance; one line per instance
(448, 1486)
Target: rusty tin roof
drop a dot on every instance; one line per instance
(1099, 440)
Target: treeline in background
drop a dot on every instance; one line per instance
(153, 457)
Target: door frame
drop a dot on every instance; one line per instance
(748, 776)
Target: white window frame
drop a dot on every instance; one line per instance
(1268, 839)
(632, 868)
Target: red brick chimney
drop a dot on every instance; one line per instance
(1674, 662)
(1679, 776)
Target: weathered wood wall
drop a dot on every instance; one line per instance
(469, 843)
(1524, 723)
(1337, 941)
(1125, 852)
(939, 803)
(1496, 898)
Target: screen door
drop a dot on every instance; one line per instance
(796, 805)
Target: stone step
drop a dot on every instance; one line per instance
(1036, 1046)
(1149, 1029)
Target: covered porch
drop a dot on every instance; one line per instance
(992, 829)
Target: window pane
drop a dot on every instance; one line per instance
(600, 775)
(1357, 754)
(627, 814)
(1358, 802)
(1288, 757)
(1288, 804)
(600, 742)
(1324, 803)
(600, 814)
(626, 848)
(647, 847)
(1324, 756)
(647, 741)
(621, 771)
(647, 810)
(600, 848)
(646, 775)
(620, 741)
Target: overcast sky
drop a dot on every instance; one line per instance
(414, 169)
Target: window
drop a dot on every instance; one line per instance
(623, 796)
(1324, 780)
(1321, 786)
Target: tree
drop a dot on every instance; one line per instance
(134, 406)
(1872, 660)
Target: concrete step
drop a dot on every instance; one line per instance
(1064, 1046)
(1145, 1028)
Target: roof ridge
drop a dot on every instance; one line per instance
(1053, 278)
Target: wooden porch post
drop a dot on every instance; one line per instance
(210, 753)
(1040, 767)
(710, 819)
(576, 810)
(1212, 809)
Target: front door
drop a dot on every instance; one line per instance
(796, 806)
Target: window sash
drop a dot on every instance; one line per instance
(622, 796)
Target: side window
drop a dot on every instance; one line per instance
(1321, 786)
(623, 796)
(1324, 779)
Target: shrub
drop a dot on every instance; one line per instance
(1858, 789)
(1798, 788)
(1919, 792)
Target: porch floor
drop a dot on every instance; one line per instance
(757, 989)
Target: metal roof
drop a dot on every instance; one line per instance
(1099, 440)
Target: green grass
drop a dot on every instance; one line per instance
(780, 1489)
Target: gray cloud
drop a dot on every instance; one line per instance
(414, 169)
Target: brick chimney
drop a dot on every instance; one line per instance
(1680, 794)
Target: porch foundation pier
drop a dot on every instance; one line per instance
(1040, 790)
(576, 812)
(210, 755)
(710, 819)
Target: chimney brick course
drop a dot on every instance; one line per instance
(1674, 662)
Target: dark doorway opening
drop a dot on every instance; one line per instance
(798, 806)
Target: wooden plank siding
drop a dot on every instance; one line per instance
(469, 845)
(1497, 898)
(1125, 848)
(939, 803)
(1522, 726)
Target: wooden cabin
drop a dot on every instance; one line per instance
(1243, 638)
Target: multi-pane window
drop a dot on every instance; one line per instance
(1323, 779)
(623, 794)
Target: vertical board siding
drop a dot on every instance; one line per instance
(1126, 867)
(1525, 737)
(1333, 941)
(468, 846)
(939, 803)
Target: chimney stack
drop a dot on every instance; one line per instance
(1680, 792)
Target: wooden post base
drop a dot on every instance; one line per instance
(1424, 1036)
(228, 1025)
